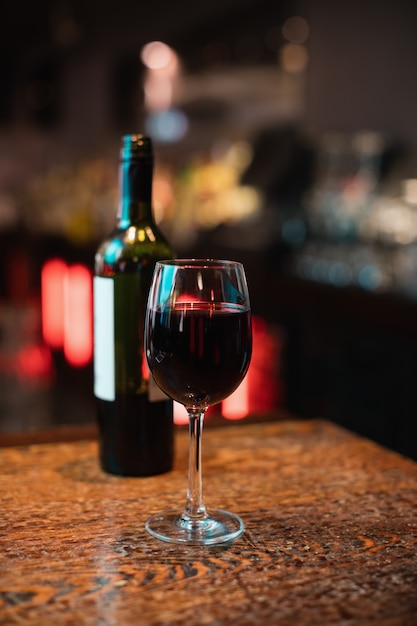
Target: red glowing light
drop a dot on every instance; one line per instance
(236, 406)
(180, 414)
(67, 310)
(266, 388)
(261, 390)
(52, 300)
(34, 362)
(78, 330)
(145, 369)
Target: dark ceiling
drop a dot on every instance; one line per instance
(28, 26)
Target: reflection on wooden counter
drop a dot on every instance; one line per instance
(331, 534)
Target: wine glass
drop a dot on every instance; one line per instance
(198, 342)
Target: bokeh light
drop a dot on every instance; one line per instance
(294, 58)
(167, 126)
(296, 29)
(157, 55)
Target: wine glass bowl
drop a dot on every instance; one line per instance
(198, 342)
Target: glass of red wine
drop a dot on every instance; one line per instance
(198, 342)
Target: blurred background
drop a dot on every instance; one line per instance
(285, 136)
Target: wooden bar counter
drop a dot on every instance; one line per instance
(331, 534)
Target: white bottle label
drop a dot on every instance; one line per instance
(104, 357)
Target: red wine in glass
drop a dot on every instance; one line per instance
(199, 352)
(198, 341)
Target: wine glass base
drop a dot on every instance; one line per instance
(175, 526)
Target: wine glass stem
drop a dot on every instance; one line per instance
(194, 507)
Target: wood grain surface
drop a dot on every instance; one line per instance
(331, 534)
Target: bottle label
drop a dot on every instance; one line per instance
(118, 340)
(104, 344)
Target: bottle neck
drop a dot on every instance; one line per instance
(135, 191)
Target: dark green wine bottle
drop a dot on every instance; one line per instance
(135, 420)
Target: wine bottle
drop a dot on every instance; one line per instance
(135, 420)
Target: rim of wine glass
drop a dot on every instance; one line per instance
(199, 262)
